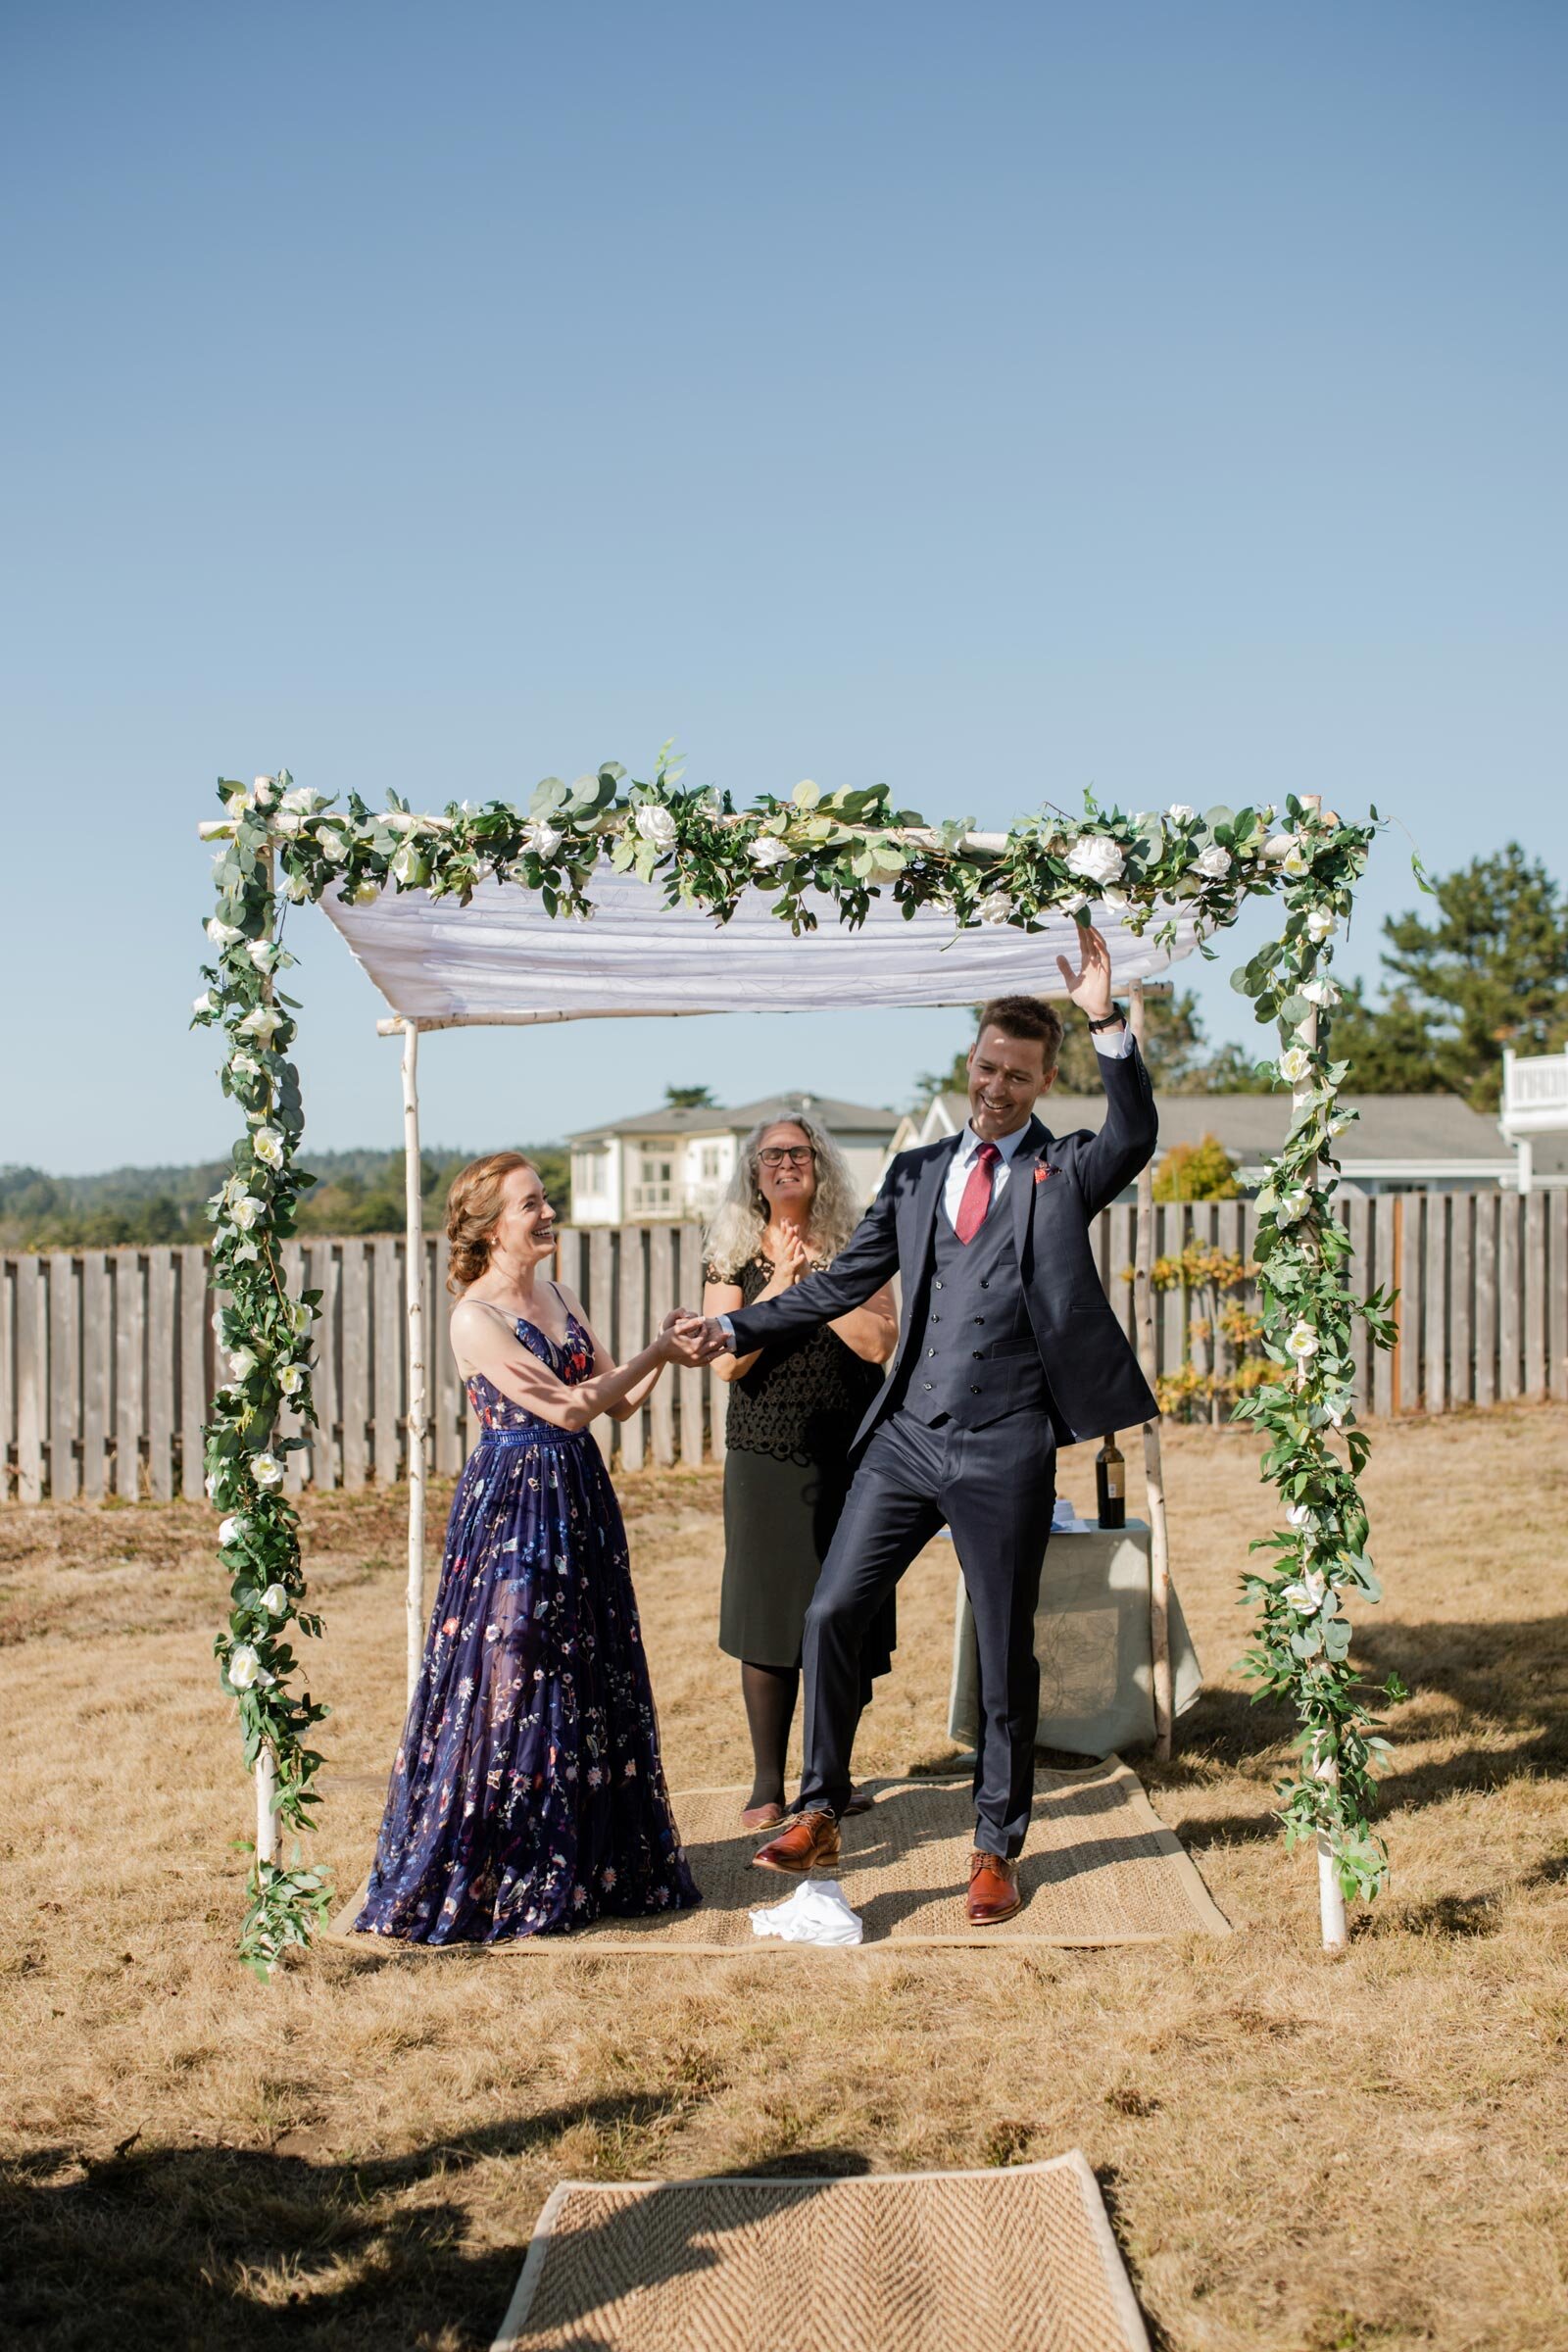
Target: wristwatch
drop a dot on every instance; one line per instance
(1114, 1019)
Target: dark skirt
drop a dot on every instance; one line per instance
(779, 1518)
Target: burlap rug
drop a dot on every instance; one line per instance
(1099, 1867)
(1020, 2260)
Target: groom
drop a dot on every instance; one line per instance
(1008, 1348)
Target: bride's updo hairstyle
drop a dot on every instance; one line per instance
(473, 1205)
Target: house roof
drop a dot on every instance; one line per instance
(712, 1119)
(1430, 1131)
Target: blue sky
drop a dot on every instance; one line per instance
(999, 400)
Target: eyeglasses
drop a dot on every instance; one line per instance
(777, 1153)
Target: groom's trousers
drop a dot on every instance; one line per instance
(994, 1489)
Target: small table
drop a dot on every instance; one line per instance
(1096, 1683)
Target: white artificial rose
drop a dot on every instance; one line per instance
(363, 892)
(1303, 1342)
(1301, 1514)
(1076, 906)
(768, 851)
(1319, 992)
(247, 1212)
(1340, 1121)
(241, 1363)
(1215, 861)
(408, 866)
(261, 953)
(232, 1531)
(1279, 847)
(1114, 901)
(244, 1666)
(1294, 1064)
(288, 823)
(300, 801)
(261, 1021)
(244, 1066)
(296, 890)
(246, 1254)
(222, 934)
(267, 1145)
(1296, 861)
(1094, 859)
(1294, 1207)
(995, 907)
(267, 1470)
(331, 845)
(1310, 1594)
(656, 825)
(542, 837)
(204, 1003)
(274, 1600)
(1181, 814)
(261, 784)
(1320, 925)
(291, 1379)
(299, 1318)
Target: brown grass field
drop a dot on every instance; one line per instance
(1297, 2155)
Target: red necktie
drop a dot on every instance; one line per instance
(976, 1193)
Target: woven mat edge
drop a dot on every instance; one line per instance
(1207, 1917)
(1114, 2268)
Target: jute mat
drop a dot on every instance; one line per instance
(1099, 1867)
(1021, 2260)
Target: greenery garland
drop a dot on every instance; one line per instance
(845, 847)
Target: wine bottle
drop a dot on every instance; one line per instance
(1110, 1483)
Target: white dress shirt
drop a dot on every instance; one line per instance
(1115, 1044)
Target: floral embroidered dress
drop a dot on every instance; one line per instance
(528, 1796)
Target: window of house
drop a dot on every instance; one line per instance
(590, 1173)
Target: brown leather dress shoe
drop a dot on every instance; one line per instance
(811, 1839)
(993, 1889)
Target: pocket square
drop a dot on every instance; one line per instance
(1042, 1171)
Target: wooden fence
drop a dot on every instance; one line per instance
(108, 1356)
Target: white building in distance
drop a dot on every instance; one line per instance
(664, 1167)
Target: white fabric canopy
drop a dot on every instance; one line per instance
(502, 958)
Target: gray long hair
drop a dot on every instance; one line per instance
(741, 1217)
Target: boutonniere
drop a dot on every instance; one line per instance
(1042, 1170)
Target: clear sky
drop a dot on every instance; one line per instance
(999, 399)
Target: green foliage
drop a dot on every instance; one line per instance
(689, 1098)
(1491, 969)
(1201, 1171)
(846, 846)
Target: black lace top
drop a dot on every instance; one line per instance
(805, 1397)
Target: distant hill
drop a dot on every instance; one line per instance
(355, 1191)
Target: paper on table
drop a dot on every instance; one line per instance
(815, 1913)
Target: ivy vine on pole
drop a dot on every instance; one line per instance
(844, 847)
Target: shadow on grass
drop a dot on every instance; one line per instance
(188, 2247)
(1509, 1680)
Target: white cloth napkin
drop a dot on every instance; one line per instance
(815, 1913)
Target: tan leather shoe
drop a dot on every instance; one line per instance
(810, 1840)
(993, 1889)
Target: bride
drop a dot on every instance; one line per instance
(527, 1796)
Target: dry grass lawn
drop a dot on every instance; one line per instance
(1297, 2155)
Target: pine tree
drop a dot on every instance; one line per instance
(1492, 970)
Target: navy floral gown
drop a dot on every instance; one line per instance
(528, 1796)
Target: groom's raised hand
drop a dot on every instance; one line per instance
(1090, 986)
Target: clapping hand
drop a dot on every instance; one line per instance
(1090, 986)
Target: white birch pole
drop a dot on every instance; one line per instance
(265, 1769)
(414, 1292)
(1154, 1468)
(1330, 1897)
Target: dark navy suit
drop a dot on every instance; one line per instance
(1007, 1346)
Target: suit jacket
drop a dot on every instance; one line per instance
(1057, 1187)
